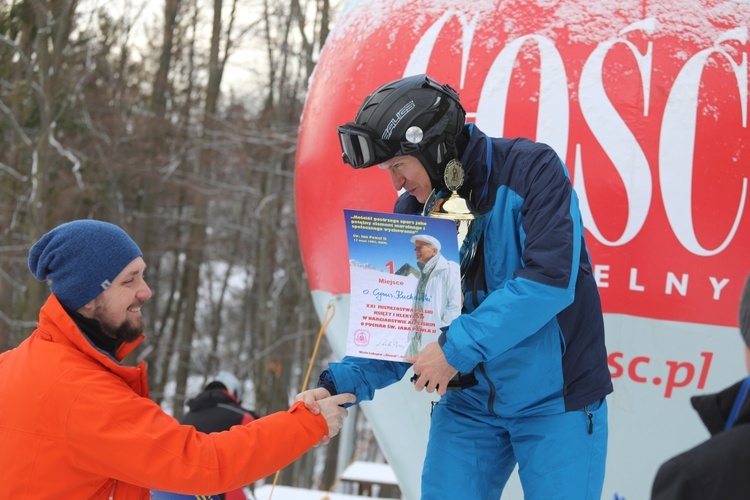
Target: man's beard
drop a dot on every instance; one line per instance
(125, 332)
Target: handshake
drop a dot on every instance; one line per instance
(320, 402)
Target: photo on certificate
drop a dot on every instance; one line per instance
(405, 282)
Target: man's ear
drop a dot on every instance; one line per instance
(87, 311)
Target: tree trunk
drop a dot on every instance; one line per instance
(197, 233)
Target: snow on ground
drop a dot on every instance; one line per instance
(289, 493)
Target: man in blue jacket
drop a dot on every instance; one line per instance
(527, 354)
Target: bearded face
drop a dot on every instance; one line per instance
(118, 308)
(127, 330)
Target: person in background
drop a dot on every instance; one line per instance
(527, 355)
(218, 406)
(718, 468)
(76, 422)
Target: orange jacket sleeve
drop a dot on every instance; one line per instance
(112, 431)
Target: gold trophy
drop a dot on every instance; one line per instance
(469, 223)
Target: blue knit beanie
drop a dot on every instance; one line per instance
(81, 258)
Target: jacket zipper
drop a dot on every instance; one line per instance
(491, 399)
(112, 493)
(591, 419)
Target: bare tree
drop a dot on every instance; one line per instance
(38, 168)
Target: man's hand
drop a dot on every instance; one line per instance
(319, 401)
(432, 369)
(332, 410)
(311, 397)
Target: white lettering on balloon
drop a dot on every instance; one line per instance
(554, 110)
(677, 132)
(677, 142)
(615, 137)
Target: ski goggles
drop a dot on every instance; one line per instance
(360, 147)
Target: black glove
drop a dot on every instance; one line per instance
(459, 382)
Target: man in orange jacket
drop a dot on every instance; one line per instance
(76, 423)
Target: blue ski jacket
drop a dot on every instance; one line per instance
(531, 328)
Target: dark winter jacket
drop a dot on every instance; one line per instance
(718, 468)
(215, 410)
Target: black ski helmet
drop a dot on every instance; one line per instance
(413, 116)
